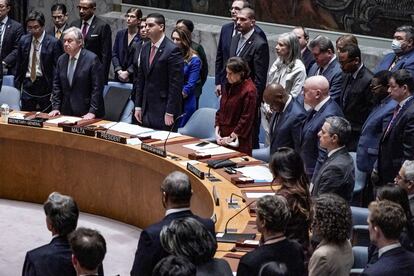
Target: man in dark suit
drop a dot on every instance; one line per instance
(228, 31)
(59, 18)
(287, 118)
(97, 34)
(37, 56)
(10, 33)
(176, 197)
(54, 258)
(405, 179)
(316, 95)
(78, 82)
(160, 78)
(337, 173)
(327, 65)
(397, 141)
(386, 221)
(356, 98)
(303, 37)
(403, 51)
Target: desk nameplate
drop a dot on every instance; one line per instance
(111, 137)
(79, 130)
(25, 122)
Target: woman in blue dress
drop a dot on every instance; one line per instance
(192, 67)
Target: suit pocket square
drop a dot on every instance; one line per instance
(94, 35)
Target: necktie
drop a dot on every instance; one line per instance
(240, 46)
(85, 29)
(58, 34)
(34, 60)
(71, 70)
(311, 114)
(152, 54)
(394, 116)
(1, 34)
(320, 71)
(234, 31)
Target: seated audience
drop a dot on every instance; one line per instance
(234, 123)
(189, 238)
(192, 67)
(337, 173)
(288, 172)
(332, 224)
(405, 179)
(55, 258)
(88, 250)
(174, 266)
(176, 196)
(272, 217)
(386, 221)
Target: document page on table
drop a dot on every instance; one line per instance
(258, 173)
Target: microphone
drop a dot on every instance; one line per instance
(171, 129)
(234, 237)
(216, 196)
(234, 203)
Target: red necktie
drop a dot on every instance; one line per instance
(85, 29)
(152, 54)
(394, 116)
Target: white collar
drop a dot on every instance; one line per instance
(5, 20)
(327, 65)
(61, 29)
(319, 105)
(355, 74)
(335, 150)
(248, 35)
(40, 38)
(176, 210)
(158, 43)
(388, 248)
(287, 102)
(89, 21)
(402, 103)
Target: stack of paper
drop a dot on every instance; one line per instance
(258, 173)
(64, 119)
(126, 128)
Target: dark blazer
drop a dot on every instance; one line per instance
(204, 67)
(51, 259)
(159, 85)
(405, 61)
(374, 126)
(336, 175)
(397, 145)
(122, 53)
(256, 54)
(50, 51)
(85, 93)
(13, 31)
(98, 40)
(356, 102)
(308, 59)
(313, 155)
(286, 132)
(51, 31)
(334, 75)
(397, 261)
(150, 252)
(223, 50)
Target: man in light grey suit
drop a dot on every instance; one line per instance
(337, 173)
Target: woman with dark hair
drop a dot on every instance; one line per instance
(288, 172)
(188, 238)
(234, 119)
(272, 217)
(192, 67)
(332, 223)
(123, 50)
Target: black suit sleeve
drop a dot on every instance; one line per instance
(20, 71)
(10, 59)
(219, 58)
(261, 64)
(204, 67)
(139, 81)
(176, 81)
(96, 106)
(106, 49)
(28, 268)
(408, 138)
(144, 256)
(57, 92)
(330, 180)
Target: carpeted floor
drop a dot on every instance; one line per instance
(23, 227)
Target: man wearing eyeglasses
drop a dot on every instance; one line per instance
(96, 33)
(59, 18)
(405, 179)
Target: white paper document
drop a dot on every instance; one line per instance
(16, 115)
(201, 146)
(162, 134)
(126, 128)
(62, 119)
(258, 195)
(191, 162)
(258, 173)
(134, 141)
(216, 150)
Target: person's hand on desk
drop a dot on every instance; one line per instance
(220, 140)
(88, 116)
(168, 119)
(54, 113)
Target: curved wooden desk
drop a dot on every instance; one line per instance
(117, 181)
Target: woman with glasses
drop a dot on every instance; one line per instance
(123, 50)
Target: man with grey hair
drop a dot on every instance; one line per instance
(176, 196)
(337, 173)
(326, 64)
(55, 258)
(402, 56)
(405, 179)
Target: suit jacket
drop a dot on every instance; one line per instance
(223, 50)
(397, 145)
(98, 40)
(51, 259)
(374, 126)
(285, 128)
(13, 31)
(331, 259)
(51, 31)
(308, 59)
(85, 93)
(256, 54)
(150, 251)
(356, 102)
(312, 155)
(50, 51)
(159, 85)
(336, 175)
(397, 261)
(122, 53)
(334, 75)
(405, 61)
(204, 67)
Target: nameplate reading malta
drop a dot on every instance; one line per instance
(79, 130)
(195, 171)
(111, 137)
(24, 122)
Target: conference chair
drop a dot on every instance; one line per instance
(118, 105)
(8, 80)
(262, 154)
(208, 96)
(360, 181)
(360, 259)
(360, 234)
(201, 124)
(10, 96)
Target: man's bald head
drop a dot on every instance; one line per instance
(316, 90)
(275, 96)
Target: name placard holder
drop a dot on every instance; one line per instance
(195, 171)
(111, 137)
(79, 130)
(25, 122)
(154, 150)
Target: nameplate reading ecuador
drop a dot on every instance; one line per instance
(154, 150)
(195, 171)
(111, 137)
(79, 130)
(25, 122)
